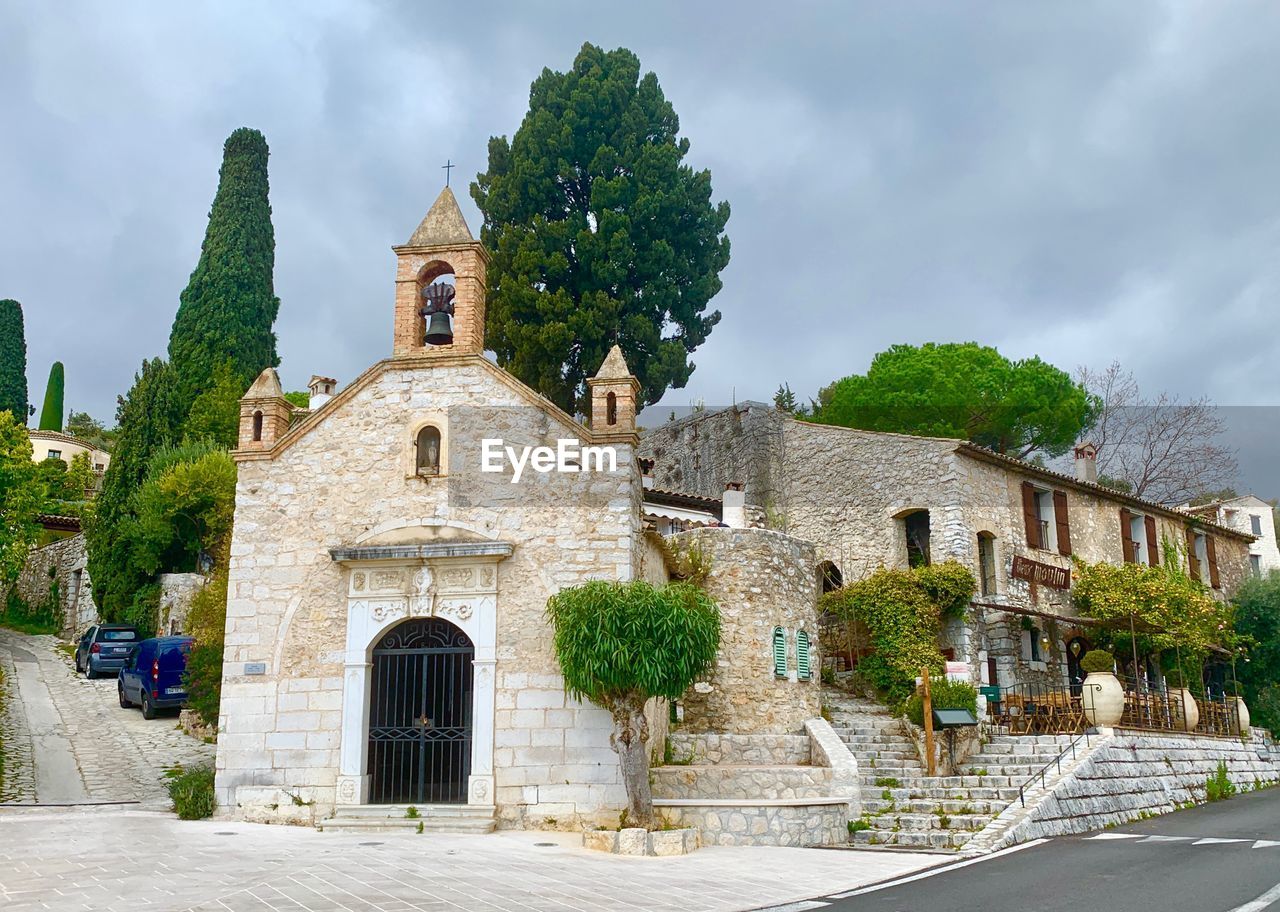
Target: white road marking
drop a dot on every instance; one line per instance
(796, 906)
(932, 872)
(1117, 836)
(1168, 838)
(1265, 843)
(1214, 841)
(1262, 902)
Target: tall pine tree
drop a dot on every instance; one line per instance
(148, 419)
(52, 413)
(227, 310)
(599, 233)
(13, 361)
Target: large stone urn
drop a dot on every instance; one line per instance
(1102, 695)
(1242, 712)
(1189, 711)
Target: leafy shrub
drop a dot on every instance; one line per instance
(206, 622)
(944, 694)
(1097, 660)
(1218, 786)
(43, 618)
(192, 793)
(144, 611)
(902, 610)
(949, 585)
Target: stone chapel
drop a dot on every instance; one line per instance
(386, 642)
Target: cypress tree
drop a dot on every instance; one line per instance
(148, 419)
(13, 361)
(228, 308)
(51, 414)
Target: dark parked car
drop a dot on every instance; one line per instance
(152, 677)
(105, 647)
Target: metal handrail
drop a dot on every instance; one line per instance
(1056, 761)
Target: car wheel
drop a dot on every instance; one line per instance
(124, 701)
(148, 709)
(88, 670)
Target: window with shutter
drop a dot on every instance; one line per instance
(1126, 536)
(1030, 516)
(1062, 522)
(1153, 553)
(1193, 553)
(779, 652)
(1212, 554)
(802, 655)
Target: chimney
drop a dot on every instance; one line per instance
(734, 506)
(646, 472)
(322, 390)
(1087, 463)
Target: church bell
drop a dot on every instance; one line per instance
(439, 330)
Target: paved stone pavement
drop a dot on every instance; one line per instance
(108, 858)
(70, 741)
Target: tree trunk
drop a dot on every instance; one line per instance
(630, 740)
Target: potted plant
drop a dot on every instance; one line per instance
(1102, 694)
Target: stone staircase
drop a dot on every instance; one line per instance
(902, 806)
(425, 818)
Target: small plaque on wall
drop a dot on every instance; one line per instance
(255, 668)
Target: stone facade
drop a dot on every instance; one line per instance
(341, 483)
(66, 562)
(853, 494)
(762, 580)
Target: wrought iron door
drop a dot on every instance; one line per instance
(420, 714)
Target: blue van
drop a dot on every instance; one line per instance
(152, 676)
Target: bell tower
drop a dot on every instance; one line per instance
(613, 400)
(433, 315)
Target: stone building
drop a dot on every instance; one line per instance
(393, 552)
(868, 499)
(59, 571)
(1251, 515)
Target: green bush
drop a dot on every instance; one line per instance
(144, 612)
(1218, 786)
(944, 694)
(1097, 660)
(902, 610)
(16, 614)
(192, 793)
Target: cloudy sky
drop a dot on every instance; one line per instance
(1082, 181)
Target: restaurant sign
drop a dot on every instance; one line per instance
(1043, 574)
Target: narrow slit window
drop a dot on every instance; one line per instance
(257, 427)
(779, 652)
(611, 409)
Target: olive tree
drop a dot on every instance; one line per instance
(621, 644)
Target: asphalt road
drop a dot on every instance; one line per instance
(1156, 865)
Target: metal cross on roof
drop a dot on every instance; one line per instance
(448, 167)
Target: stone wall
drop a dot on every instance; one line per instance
(848, 492)
(1127, 775)
(348, 479)
(176, 592)
(67, 562)
(761, 580)
(746, 750)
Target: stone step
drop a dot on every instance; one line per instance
(741, 781)
(926, 806)
(922, 823)
(935, 839)
(1000, 796)
(432, 818)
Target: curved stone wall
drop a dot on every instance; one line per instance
(761, 580)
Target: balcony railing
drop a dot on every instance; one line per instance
(1035, 709)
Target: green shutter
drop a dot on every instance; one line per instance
(802, 655)
(779, 652)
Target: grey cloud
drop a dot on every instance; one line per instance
(1085, 181)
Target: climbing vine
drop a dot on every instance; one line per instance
(903, 611)
(1170, 610)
